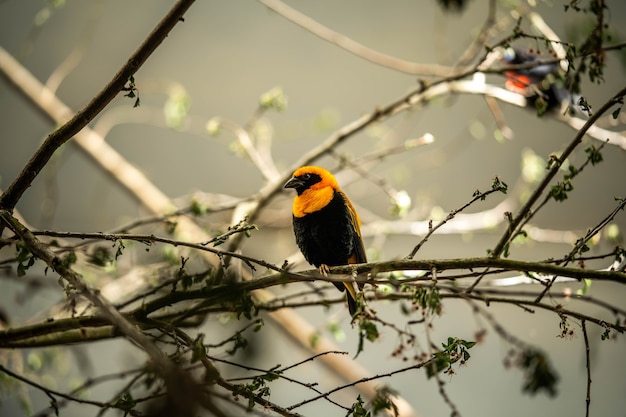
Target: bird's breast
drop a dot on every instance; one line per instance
(312, 201)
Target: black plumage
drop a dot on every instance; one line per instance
(325, 224)
(328, 237)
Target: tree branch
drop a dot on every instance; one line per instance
(171, 374)
(554, 169)
(56, 139)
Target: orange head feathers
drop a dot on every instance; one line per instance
(315, 187)
(326, 225)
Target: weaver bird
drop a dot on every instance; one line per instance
(542, 85)
(326, 226)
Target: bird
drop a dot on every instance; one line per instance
(542, 85)
(326, 226)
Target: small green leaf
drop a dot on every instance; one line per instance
(198, 349)
(383, 401)
(131, 88)
(358, 409)
(499, 185)
(274, 99)
(197, 208)
(616, 112)
(606, 335)
(100, 256)
(213, 126)
(259, 325)
(125, 402)
(440, 362)
(336, 330)
(370, 331)
(468, 345)
(69, 259)
(594, 155)
(541, 105)
(560, 190)
(367, 331)
(240, 342)
(585, 288)
(428, 299)
(314, 339)
(538, 373)
(176, 107)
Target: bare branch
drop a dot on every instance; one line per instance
(56, 139)
(172, 376)
(353, 46)
(515, 222)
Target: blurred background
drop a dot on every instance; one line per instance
(219, 62)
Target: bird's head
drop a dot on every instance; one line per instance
(311, 178)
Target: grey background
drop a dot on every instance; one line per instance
(226, 54)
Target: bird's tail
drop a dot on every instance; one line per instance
(351, 297)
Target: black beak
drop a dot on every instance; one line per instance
(294, 182)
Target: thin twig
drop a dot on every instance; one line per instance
(431, 229)
(89, 383)
(360, 381)
(480, 40)
(234, 389)
(264, 164)
(56, 139)
(50, 392)
(278, 373)
(583, 241)
(149, 239)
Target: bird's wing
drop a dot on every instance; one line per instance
(358, 254)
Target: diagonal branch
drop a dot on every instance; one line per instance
(172, 376)
(554, 169)
(56, 139)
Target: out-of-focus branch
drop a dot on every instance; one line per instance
(598, 133)
(353, 46)
(74, 58)
(12, 71)
(264, 164)
(480, 40)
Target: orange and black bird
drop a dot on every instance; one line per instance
(326, 226)
(542, 85)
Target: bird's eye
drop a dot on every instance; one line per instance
(306, 176)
